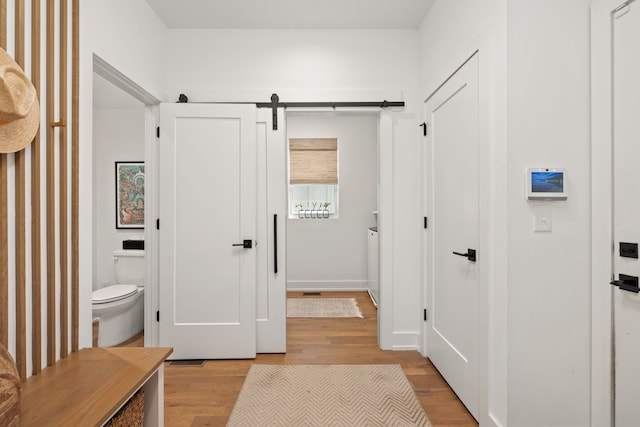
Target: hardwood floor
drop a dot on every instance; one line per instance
(204, 395)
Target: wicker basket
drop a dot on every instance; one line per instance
(10, 390)
(131, 414)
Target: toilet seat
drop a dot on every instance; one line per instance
(112, 293)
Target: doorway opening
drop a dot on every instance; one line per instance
(329, 254)
(120, 119)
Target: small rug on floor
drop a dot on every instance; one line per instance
(327, 395)
(323, 307)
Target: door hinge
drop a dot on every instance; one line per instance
(158, 316)
(158, 224)
(426, 222)
(158, 132)
(425, 314)
(424, 128)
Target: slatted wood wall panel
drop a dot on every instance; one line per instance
(19, 203)
(63, 173)
(50, 183)
(50, 301)
(4, 239)
(75, 173)
(36, 258)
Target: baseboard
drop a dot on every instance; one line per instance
(495, 422)
(405, 341)
(326, 285)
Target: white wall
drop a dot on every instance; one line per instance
(451, 33)
(128, 36)
(118, 135)
(538, 295)
(549, 273)
(332, 253)
(324, 65)
(299, 65)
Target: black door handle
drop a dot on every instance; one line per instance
(626, 283)
(246, 244)
(275, 243)
(470, 255)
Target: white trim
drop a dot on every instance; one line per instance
(106, 70)
(495, 422)
(151, 301)
(405, 341)
(385, 231)
(601, 218)
(327, 285)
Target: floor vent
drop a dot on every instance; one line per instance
(311, 294)
(198, 362)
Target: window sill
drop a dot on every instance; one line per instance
(313, 216)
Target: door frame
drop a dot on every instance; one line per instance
(601, 211)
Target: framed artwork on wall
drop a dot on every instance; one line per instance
(129, 194)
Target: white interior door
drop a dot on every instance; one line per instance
(626, 212)
(207, 277)
(451, 162)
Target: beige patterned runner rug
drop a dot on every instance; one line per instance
(327, 395)
(323, 307)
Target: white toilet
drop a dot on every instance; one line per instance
(120, 307)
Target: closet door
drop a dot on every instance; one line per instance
(452, 262)
(207, 236)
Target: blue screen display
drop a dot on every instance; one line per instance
(547, 182)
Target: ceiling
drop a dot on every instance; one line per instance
(292, 14)
(272, 14)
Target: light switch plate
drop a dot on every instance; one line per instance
(542, 218)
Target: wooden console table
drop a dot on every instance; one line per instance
(90, 386)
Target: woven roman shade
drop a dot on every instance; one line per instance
(313, 161)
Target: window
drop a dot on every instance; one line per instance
(313, 177)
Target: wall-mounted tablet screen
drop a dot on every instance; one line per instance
(546, 184)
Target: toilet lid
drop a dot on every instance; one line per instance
(112, 293)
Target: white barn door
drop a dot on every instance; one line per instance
(271, 291)
(207, 236)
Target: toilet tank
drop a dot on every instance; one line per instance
(129, 267)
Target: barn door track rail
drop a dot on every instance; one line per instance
(275, 104)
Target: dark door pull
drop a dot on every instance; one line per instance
(275, 243)
(626, 283)
(470, 255)
(246, 244)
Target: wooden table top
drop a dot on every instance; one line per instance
(89, 386)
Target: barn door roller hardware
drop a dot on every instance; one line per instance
(275, 104)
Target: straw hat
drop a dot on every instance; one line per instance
(19, 107)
